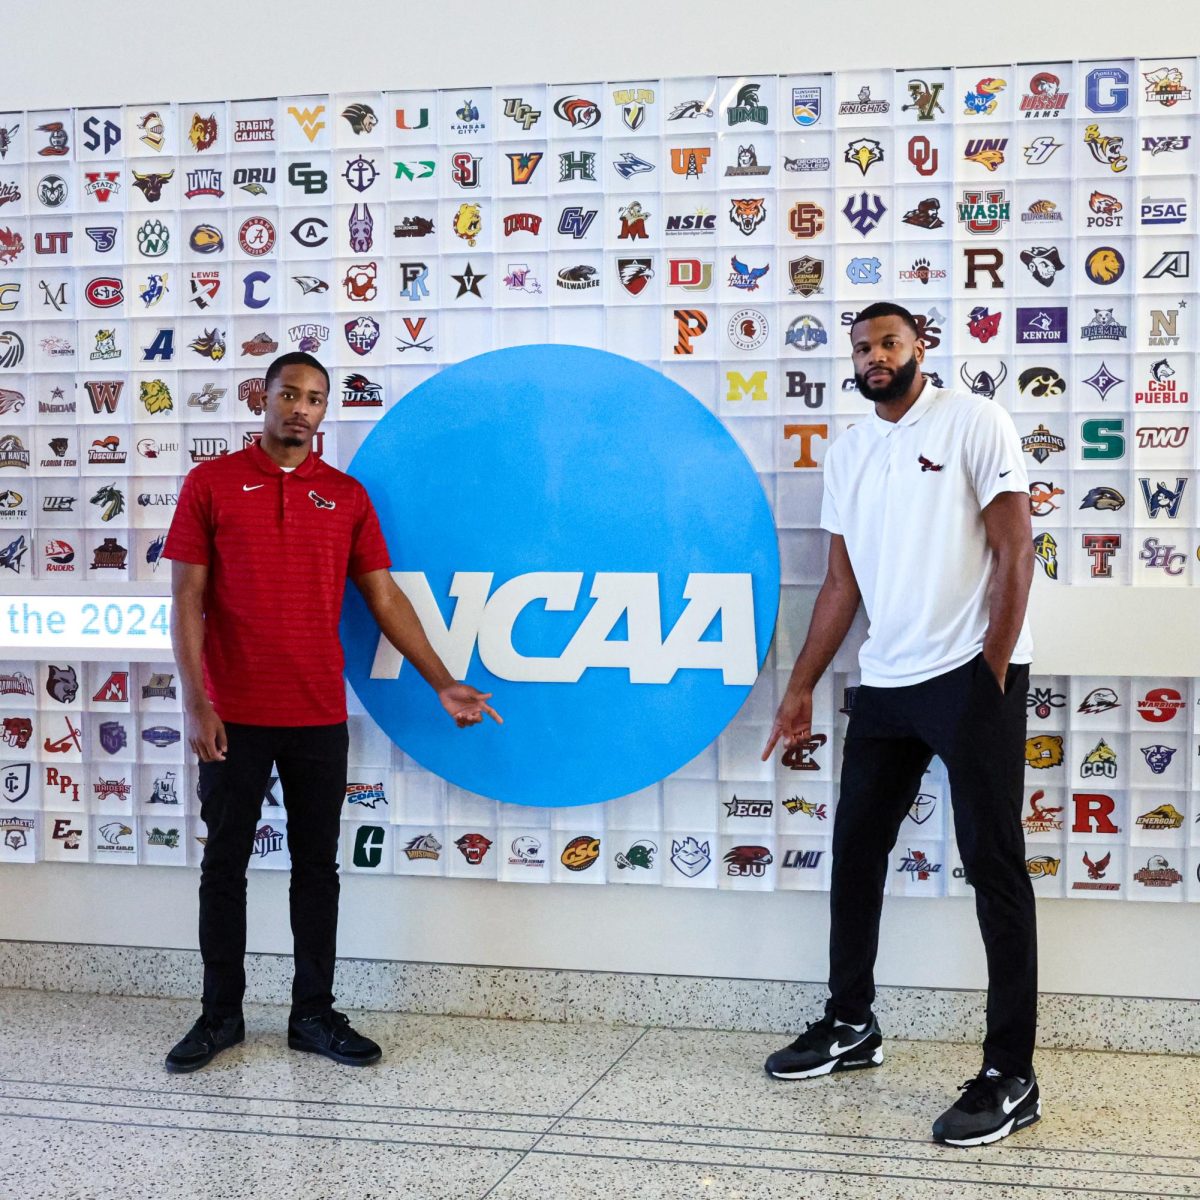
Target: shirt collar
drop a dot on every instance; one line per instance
(268, 466)
(925, 398)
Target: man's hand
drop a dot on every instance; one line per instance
(1000, 673)
(793, 721)
(466, 705)
(206, 733)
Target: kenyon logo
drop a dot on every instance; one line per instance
(614, 579)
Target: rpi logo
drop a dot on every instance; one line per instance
(580, 536)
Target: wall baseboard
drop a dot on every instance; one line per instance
(1139, 1024)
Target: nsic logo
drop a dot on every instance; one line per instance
(619, 613)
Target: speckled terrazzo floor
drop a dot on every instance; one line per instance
(464, 1107)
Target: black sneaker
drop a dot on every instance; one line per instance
(825, 1046)
(206, 1039)
(330, 1034)
(990, 1108)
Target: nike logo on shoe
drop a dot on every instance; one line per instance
(251, 487)
(837, 1048)
(1009, 1105)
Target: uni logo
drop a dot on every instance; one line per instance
(619, 609)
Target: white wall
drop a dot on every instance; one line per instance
(58, 53)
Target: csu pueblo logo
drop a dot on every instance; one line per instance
(615, 582)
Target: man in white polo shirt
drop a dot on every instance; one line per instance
(927, 502)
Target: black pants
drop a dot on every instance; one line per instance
(311, 762)
(980, 735)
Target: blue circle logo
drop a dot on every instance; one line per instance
(580, 536)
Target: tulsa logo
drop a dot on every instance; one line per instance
(599, 595)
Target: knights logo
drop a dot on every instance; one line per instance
(1045, 550)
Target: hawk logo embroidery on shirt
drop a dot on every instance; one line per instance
(320, 501)
(926, 465)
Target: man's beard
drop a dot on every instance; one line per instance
(291, 440)
(894, 389)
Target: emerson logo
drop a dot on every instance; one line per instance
(615, 581)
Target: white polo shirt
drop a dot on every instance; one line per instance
(908, 497)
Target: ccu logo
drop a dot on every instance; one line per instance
(614, 578)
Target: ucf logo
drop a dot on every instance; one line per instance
(1043, 751)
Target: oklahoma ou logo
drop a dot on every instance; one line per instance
(485, 619)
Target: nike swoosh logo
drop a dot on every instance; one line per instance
(1009, 1105)
(1008, 472)
(837, 1047)
(251, 487)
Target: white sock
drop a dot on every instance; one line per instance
(847, 1025)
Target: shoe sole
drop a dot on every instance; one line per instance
(874, 1059)
(1018, 1121)
(179, 1069)
(334, 1055)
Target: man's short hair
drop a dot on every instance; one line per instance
(294, 358)
(885, 308)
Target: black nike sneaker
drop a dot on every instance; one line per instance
(990, 1108)
(826, 1046)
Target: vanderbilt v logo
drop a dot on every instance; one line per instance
(309, 120)
(104, 394)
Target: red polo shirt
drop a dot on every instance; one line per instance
(279, 547)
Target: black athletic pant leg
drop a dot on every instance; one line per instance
(980, 735)
(882, 765)
(312, 772)
(231, 797)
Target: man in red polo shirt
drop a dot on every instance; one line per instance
(263, 542)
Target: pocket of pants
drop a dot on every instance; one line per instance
(989, 679)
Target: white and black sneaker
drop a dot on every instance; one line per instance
(826, 1046)
(990, 1108)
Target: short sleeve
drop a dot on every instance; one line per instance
(369, 551)
(190, 537)
(829, 511)
(992, 454)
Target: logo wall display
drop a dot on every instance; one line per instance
(927, 214)
(981, 100)
(987, 152)
(1043, 326)
(1106, 148)
(806, 333)
(52, 191)
(863, 153)
(748, 329)
(1104, 265)
(310, 232)
(256, 236)
(1045, 97)
(805, 275)
(1043, 702)
(746, 108)
(560, 670)
(863, 105)
(924, 99)
(360, 117)
(923, 155)
(577, 112)
(864, 212)
(806, 106)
